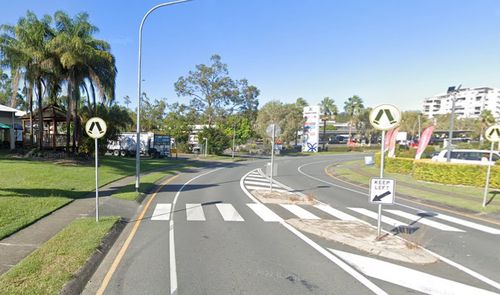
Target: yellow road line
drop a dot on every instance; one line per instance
(125, 246)
(419, 203)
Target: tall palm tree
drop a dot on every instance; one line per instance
(329, 109)
(85, 60)
(25, 46)
(353, 107)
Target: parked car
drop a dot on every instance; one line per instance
(477, 157)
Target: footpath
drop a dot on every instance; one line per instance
(22, 243)
(419, 190)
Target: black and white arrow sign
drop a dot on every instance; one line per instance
(96, 127)
(382, 191)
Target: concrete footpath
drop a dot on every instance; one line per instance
(20, 244)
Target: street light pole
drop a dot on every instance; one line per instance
(452, 119)
(138, 129)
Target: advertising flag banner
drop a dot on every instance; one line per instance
(392, 143)
(424, 141)
(311, 129)
(387, 141)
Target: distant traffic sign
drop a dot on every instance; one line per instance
(96, 127)
(382, 191)
(385, 117)
(493, 133)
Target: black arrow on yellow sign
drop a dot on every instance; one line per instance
(387, 113)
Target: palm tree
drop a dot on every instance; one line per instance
(25, 46)
(353, 107)
(329, 109)
(85, 60)
(486, 118)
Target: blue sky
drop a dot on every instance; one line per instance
(386, 51)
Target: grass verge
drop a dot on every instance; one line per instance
(30, 189)
(465, 197)
(48, 268)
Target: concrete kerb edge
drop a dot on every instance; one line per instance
(80, 279)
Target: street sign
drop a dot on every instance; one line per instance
(385, 117)
(382, 191)
(96, 127)
(269, 130)
(493, 133)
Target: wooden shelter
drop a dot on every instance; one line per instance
(54, 127)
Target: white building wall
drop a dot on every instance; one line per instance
(470, 102)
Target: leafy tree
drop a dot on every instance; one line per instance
(178, 124)
(214, 94)
(126, 100)
(273, 112)
(152, 114)
(486, 119)
(409, 122)
(217, 139)
(329, 110)
(353, 107)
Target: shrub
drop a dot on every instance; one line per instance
(395, 165)
(473, 175)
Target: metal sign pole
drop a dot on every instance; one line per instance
(382, 150)
(485, 194)
(272, 159)
(96, 182)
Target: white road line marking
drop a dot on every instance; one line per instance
(260, 183)
(257, 178)
(161, 212)
(351, 271)
(374, 215)
(171, 240)
(466, 223)
(266, 188)
(194, 212)
(264, 213)
(229, 213)
(299, 212)
(425, 221)
(407, 277)
(335, 213)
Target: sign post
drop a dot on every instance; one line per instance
(272, 130)
(493, 135)
(96, 128)
(383, 117)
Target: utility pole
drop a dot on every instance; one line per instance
(234, 137)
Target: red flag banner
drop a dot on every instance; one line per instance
(424, 141)
(392, 143)
(387, 141)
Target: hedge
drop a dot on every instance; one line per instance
(473, 175)
(458, 174)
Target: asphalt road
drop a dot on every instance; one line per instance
(203, 234)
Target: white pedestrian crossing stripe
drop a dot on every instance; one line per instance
(335, 213)
(466, 223)
(299, 212)
(423, 220)
(264, 213)
(374, 215)
(161, 212)
(228, 212)
(194, 212)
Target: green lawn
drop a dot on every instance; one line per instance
(31, 189)
(47, 269)
(147, 182)
(465, 197)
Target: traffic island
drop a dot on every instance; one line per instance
(364, 237)
(282, 197)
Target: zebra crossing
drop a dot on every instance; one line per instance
(278, 212)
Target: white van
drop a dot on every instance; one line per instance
(477, 157)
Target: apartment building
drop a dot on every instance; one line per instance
(470, 102)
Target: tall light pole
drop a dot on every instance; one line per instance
(138, 130)
(452, 90)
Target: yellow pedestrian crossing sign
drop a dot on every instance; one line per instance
(385, 117)
(493, 133)
(96, 127)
